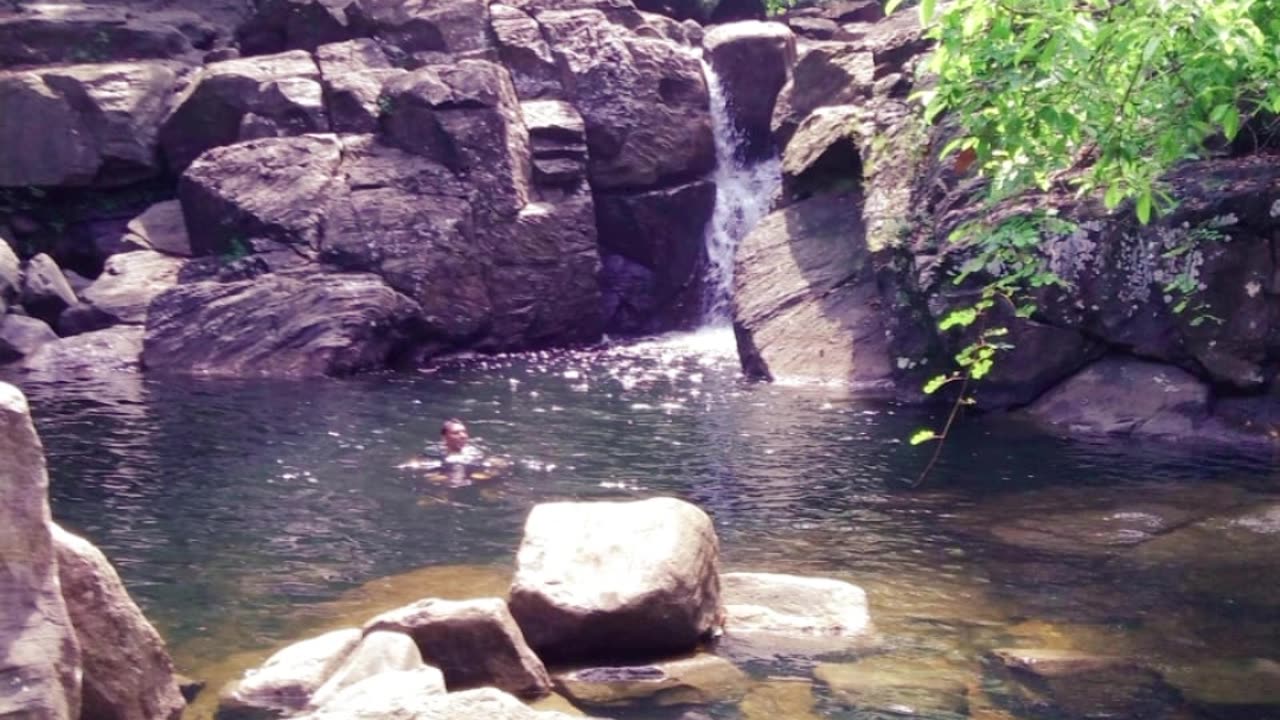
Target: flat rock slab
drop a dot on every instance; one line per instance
(700, 679)
(288, 679)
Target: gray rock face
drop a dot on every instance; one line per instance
(244, 98)
(474, 642)
(558, 140)
(525, 53)
(287, 680)
(643, 98)
(83, 124)
(161, 227)
(806, 301)
(47, 33)
(128, 284)
(41, 658)
(1126, 397)
(466, 117)
(753, 60)
(378, 652)
(661, 232)
(826, 74)
(616, 579)
(354, 74)
(128, 673)
(45, 291)
(274, 189)
(21, 336)
(279, 325)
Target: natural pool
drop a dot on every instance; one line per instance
(243, 514)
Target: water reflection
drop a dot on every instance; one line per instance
(241, 513)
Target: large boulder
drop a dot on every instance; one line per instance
(83, 124)
(41, 661)
(128, 284)
(825, 74)
(274, 188)
(654, 255)
(752, 61)
(644, 100)
(474, 642)
(279, 324)
(241, 99)
(806, 300)
(128, 674)
(616, 578)
(287, 680)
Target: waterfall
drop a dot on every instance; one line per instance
(744, 194)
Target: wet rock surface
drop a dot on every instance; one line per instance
(700, 679)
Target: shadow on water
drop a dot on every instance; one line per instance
(244, 514)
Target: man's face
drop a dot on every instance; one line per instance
(455, 437)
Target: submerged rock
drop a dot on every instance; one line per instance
(128, 674)
(410, 696)
(1082, 685)
(769, 602)
(41, 655)
(901, 686)
(1238, 689)
(616, 579)
(700, 680)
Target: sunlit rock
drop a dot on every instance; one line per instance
(616, 578)
(281, 91)
(289, 678)
(275, 189)
(83, 124)
(753, 60)
(825, 74)
(160, 227)
(699, 679)
(10, 276)
(128, 674)
(768, 602)
(128, 284)
(41, 657)
(378, 652)
(474, 642)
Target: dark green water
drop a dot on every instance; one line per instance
(238, 512)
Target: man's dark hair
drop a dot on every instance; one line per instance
(444, 428)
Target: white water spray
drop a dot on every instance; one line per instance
(744, 195)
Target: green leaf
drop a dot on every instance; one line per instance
(937, 382)
(926, 11)
(1143, 207)
(890, 6)
(960, 317)
(923, 436)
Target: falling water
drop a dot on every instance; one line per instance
(744, 194)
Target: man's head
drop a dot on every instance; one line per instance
(454, 434)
